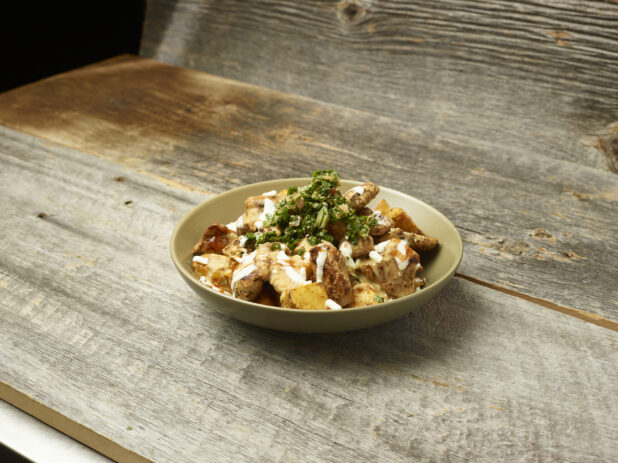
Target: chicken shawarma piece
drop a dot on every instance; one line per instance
(253, 271)
(359, 196)
(214, 239)
(383, 224)
(238, 248)
(393, 265)
(329, 267)
(302, 248)
(288, 272)
(362, 248)
(256, 210)
(417, 242)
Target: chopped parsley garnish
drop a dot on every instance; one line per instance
(378, 298)
(307, 212)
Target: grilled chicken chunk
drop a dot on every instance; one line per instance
(256, 209)
(393, 265)
(235, 249)
(304, 245)
(329, 267)
(359, 196)
(214, 239)
(415, 241)
(384, 223)
(253, 271)
(362, 248)
(287, 272)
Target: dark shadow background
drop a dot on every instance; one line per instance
(8, 456)
(40, 39)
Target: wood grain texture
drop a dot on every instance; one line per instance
(96, 324)
(532, 224)
(519, 77)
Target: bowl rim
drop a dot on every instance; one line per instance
(189, 276)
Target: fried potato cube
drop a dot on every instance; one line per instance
(364, 294)
(280, 195)
(308, 297)
(215, 268)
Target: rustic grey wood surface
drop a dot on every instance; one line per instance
(96, 324)
(538, 226)
(531, 77)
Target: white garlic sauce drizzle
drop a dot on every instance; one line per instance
(236, 224)
(200, 260)
(332, 305)
(319, 262)
(269, 209)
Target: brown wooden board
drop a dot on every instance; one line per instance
(100, 335)
(531, 224)
(521, 78)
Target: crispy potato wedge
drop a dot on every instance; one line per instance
(308, 297)
(383, 207)
(399, 217)
(403, 220)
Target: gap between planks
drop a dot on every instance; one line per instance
(577, 313)
(73, 429)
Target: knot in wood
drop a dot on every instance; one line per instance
(352, 12)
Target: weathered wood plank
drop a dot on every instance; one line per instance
(96, 324)
(542, 227)
(523, 77)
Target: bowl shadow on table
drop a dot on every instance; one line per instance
(430, 332)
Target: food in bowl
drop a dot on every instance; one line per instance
(314, 248)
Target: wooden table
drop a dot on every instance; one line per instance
(515, 361)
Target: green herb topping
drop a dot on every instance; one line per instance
(307, 212)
